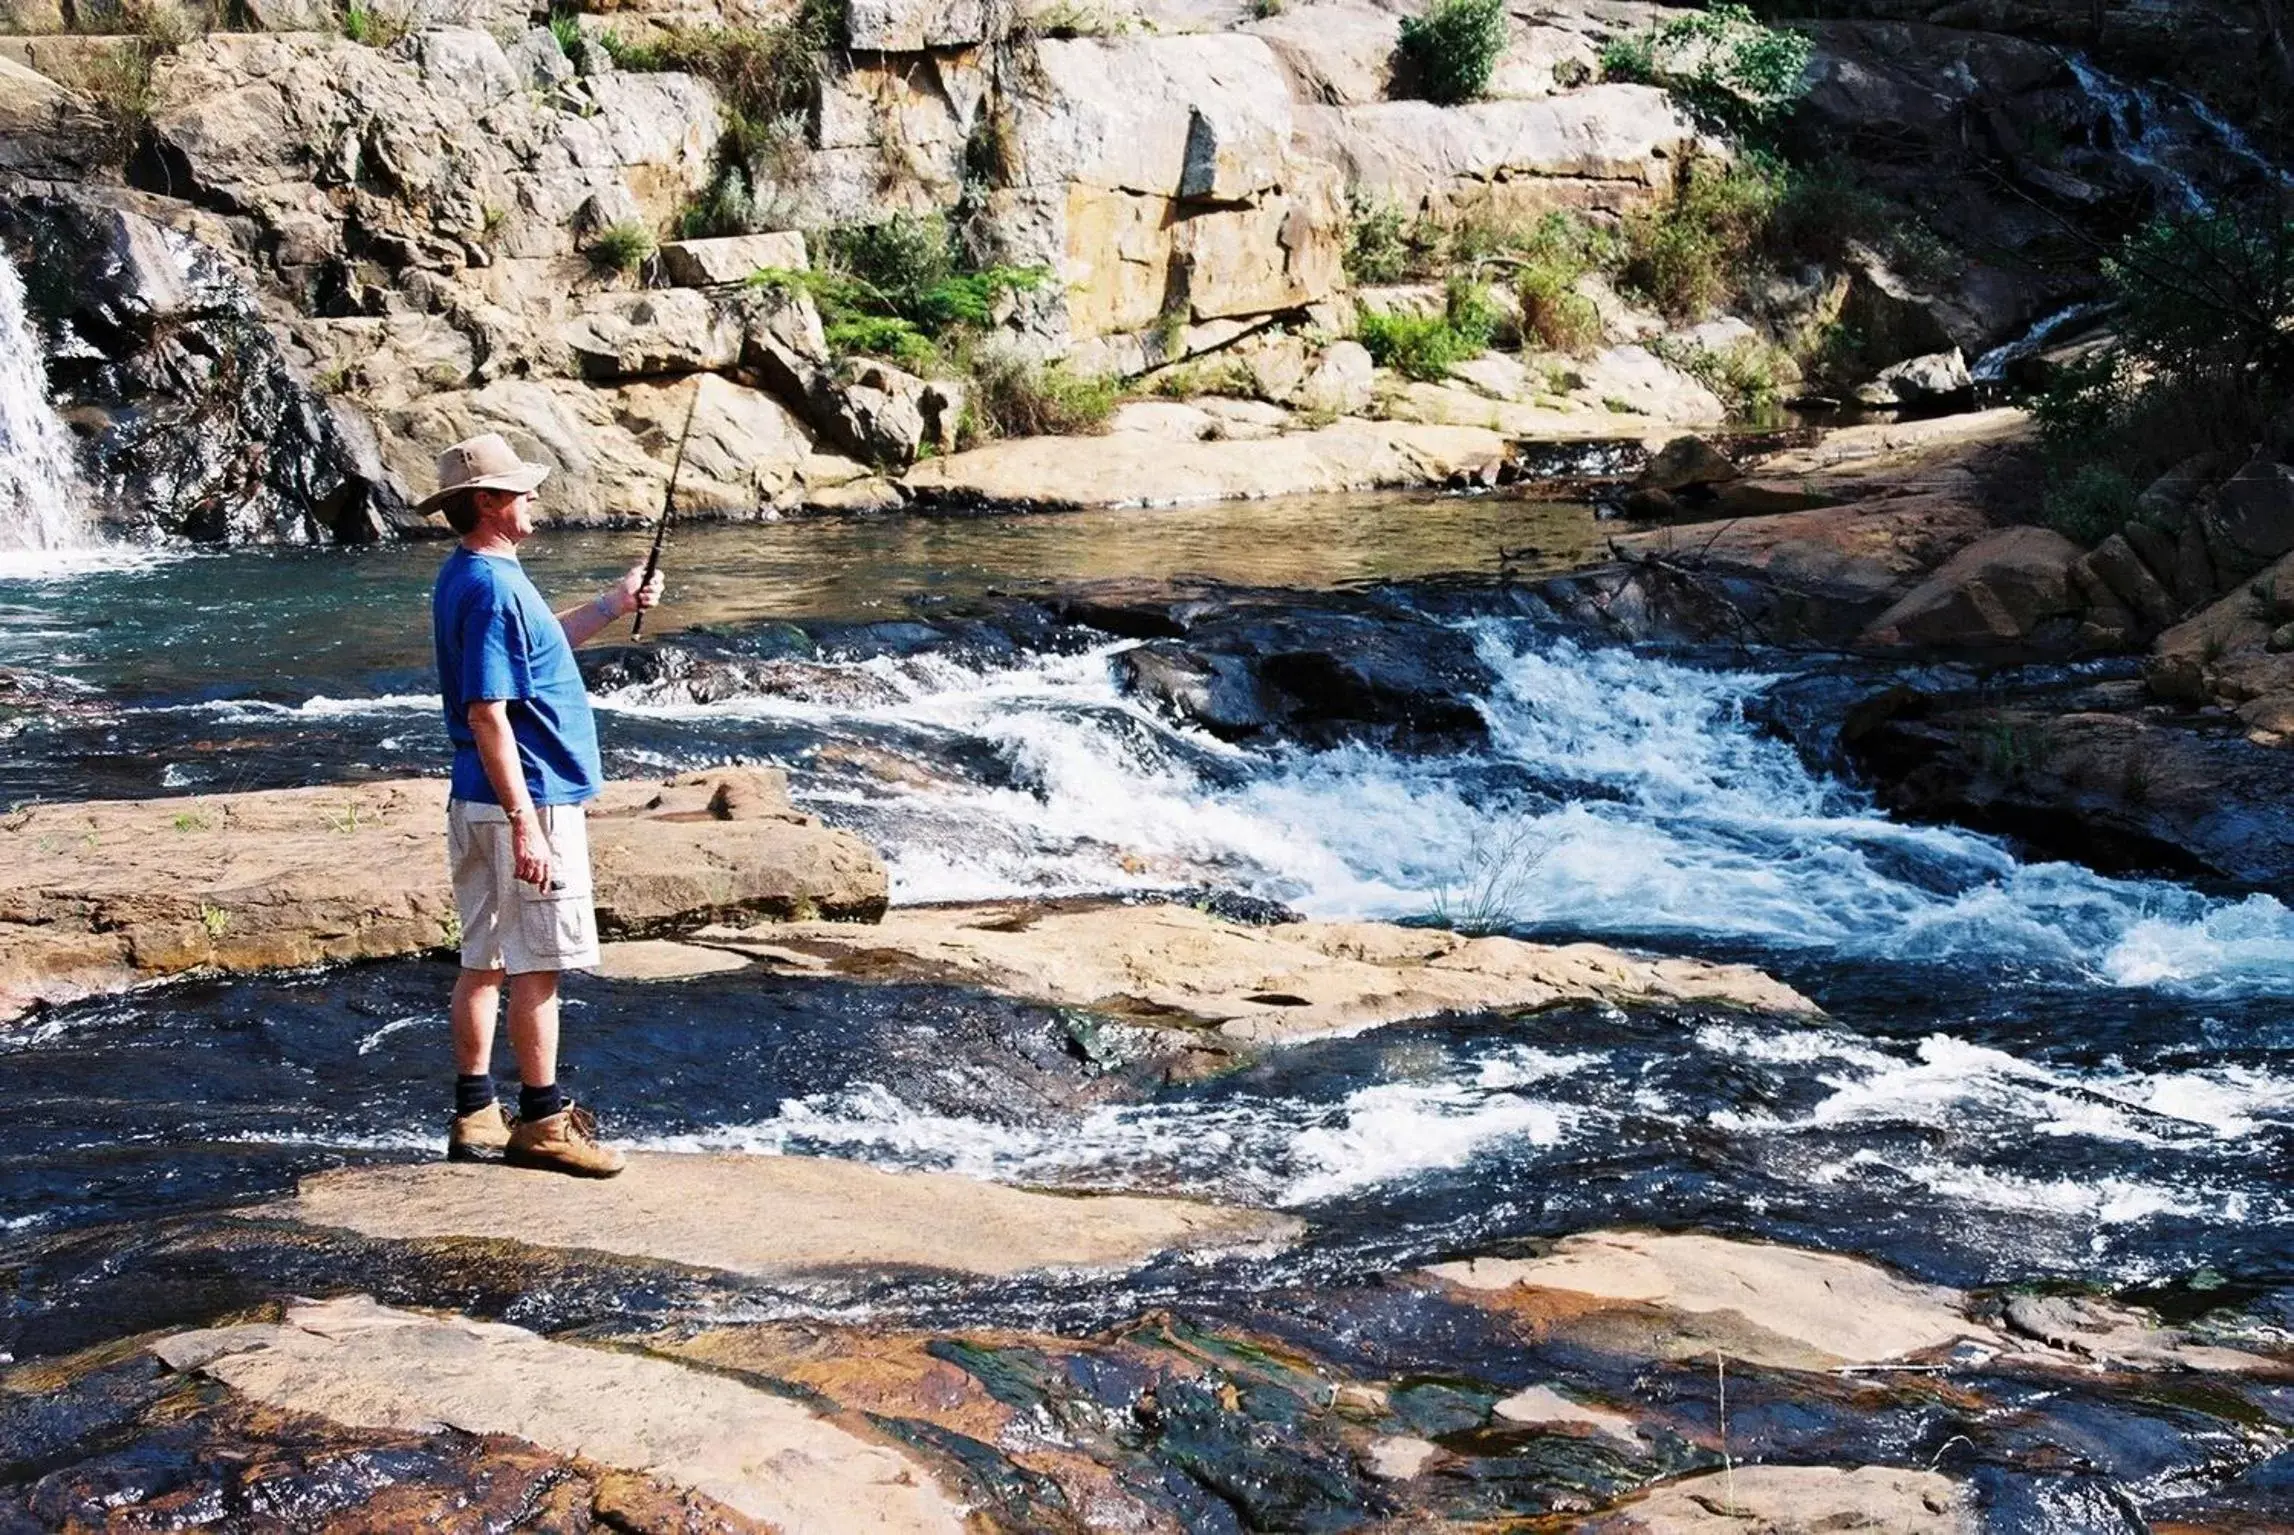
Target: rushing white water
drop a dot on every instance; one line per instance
(1991, 367)
(2156, 129)
(1622, 796)
(42, 509)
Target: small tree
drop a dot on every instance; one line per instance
(1450, 52)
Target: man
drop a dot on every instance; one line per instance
(525, 763)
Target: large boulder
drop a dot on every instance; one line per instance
(2252, 519)
(45, 129)
(1999, 590)
(1936, 381)
(671, 330)
(610, 449)
(1686, 463)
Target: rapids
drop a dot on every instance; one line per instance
(2034, 1071)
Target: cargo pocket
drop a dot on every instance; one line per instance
(556, 924)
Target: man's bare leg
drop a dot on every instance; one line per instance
(477, 1000)
(534, 1027)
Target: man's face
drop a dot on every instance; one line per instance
(506, 514)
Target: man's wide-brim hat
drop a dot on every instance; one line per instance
(484, 462)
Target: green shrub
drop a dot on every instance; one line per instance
(1376, 248)
(724, 208)
(377, 26)
(623, 247)
(565, 31)
(1011, 397)
(2090, 503)
(1426, 347)
(1728, 69)
(1449, 53)
(897, 289)
(1688, 256)
(117, 80)
(1550, 258)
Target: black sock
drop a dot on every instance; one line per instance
(472, 1093)
(539, 1103)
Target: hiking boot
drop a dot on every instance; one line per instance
(473, 1137)
(566, 1142)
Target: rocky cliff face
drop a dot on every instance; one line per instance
(335, 258)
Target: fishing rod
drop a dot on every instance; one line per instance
(668, 510)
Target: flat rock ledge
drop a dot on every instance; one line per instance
(1784, 1500)
(1255, 985)
(369, 1366)
(776, 1217)
(1687, 1295)
(99, 896)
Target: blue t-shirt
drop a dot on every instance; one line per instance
(497, 639)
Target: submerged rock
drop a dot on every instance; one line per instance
(1256, 985)
(95, 897)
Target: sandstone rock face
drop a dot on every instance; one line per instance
(1686, 463)
(1154, 175)
(1999, 590)
(154, 888)
(1259, 985)
(1607, 148)
(611, 448)
(2231, 653)
(371, 1366)
(45, 130)
(777, 1217)
(1775, 1305)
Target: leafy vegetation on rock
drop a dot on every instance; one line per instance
(1012, 397)
(900, 290)
(1449, 53)
(624, 247)
(1723, 64)
(1688, 255)
(1428, 346)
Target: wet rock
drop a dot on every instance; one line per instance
(1686, 463)
(45, 129)
(2119, 792)
(1820, 576)
(202, 427)
(2000, 590)
(778, 1217)
(1795, 1498)
(2117, 1335)
(97, 896)
(357, 1363)
(1257, 985)
(1766, 498)
(1766, 1304)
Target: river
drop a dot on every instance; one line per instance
(2031, 1071)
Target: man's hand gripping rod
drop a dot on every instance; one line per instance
(668, 508)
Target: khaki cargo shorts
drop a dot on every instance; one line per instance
(510, 925)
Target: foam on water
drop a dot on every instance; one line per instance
(41, 505)
(1621, 796)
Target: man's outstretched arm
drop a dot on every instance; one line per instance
(582, 621)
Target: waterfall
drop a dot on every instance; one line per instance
(42, 507)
